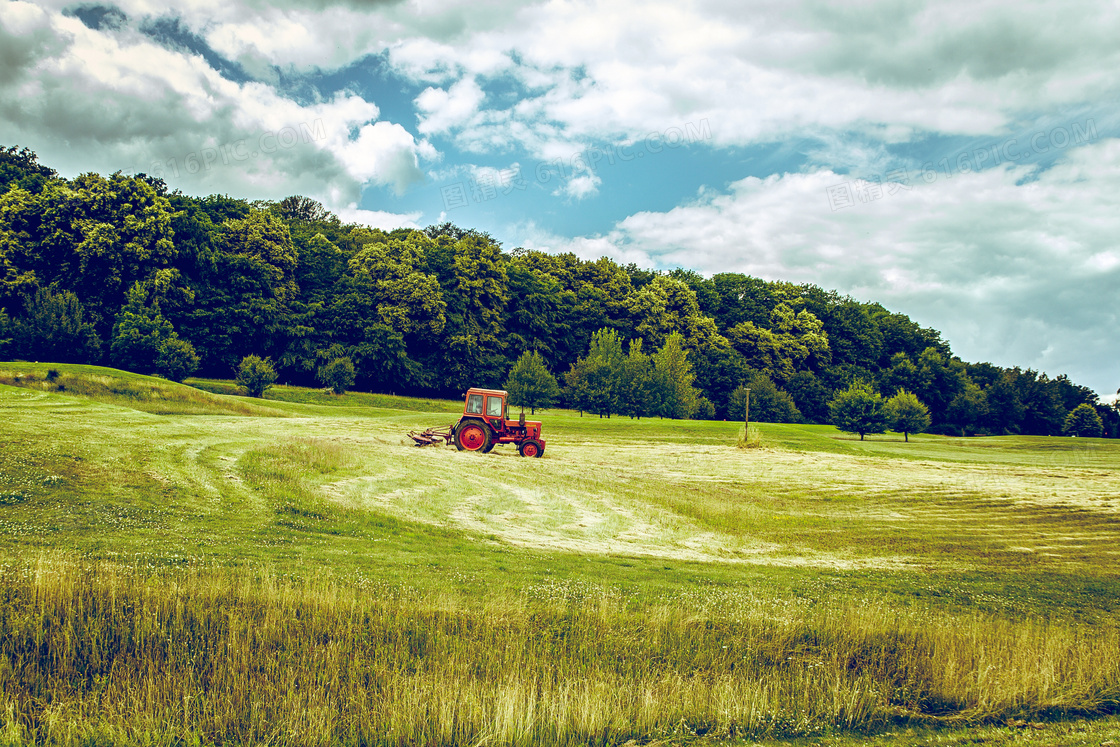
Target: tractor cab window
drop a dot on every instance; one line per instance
(494, 407)
(474, 404)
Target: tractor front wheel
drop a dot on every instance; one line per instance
(531, 449)
(473, 436)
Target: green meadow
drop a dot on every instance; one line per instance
(181, 565)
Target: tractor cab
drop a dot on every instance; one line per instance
(485, 423)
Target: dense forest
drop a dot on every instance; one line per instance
(118, 270)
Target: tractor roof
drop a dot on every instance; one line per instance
(476, 390)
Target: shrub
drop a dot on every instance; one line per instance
(177, 359)
(705, 410)
(255, 375)
(338, 375)
(769, 404)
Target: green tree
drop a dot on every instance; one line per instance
(859, 409)
(338, 374)
(473, 277)
(1084, 422)
(1043, 414)
(53, 328)
(673, 379)
(177, 359)
(1005, 410)
(93, 236)
(21, 166)
(902, 374)
(256, 375)
(907, 414)
(637, 394)
(761, 349)
(406, 299)
(139, 333)
(968, 409)
(940, 380)
(304, 209)
(538, 314)
(769, 404)
(5, 330)
(810, 396)
(705, 410)
(530, 383)
(598, 376)
(577, 387)
(663, 306)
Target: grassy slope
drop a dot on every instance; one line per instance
(121, 466)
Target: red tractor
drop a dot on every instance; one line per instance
(484, 424)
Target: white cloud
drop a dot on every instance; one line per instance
(383, 153)
(579, 187)
(1013, 273)
(378, 218)
(100, 100)
(600, 71)
(441, 110)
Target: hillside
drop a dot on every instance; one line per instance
(644, 579)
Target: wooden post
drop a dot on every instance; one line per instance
(747, 414)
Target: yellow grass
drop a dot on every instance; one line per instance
(96, 652)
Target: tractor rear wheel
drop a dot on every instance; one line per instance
(473, 436)
(531, 448)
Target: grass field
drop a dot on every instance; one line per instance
(184, 566)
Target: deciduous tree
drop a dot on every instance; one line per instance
(595, 381)
(530, 383)
(54, 328)
(907, 414)
(1083, 421)
(859, 409)
(638, 396)
(769, 404)
(810, 396)
(139, 333)
(673, 379)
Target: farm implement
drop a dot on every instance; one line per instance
(432, 436)
(484, 424)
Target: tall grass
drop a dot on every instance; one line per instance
(750, 437)
(100, 653)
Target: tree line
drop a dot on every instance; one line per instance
(118, 270)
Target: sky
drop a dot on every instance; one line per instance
(955, 161)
